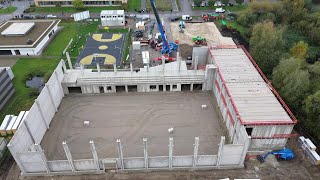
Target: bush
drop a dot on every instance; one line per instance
(32, 5)
(28, 10)
(58, 5)
(34, 92)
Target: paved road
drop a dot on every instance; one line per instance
(21, 5)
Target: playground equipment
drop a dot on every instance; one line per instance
(199, 40)
(283, 154)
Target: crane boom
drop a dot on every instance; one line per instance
(165, 47)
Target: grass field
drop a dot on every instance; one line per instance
(70, 30)
(23, 99)
(8, 10)
(72, 9)
(162, 5)
(134, 4)
(236, 8)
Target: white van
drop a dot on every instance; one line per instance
(186, 17)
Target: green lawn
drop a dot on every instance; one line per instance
(235, 8)
(72, 9)
(233, 24)
(22, 99)
(134, 4)
(162, 5)
(70, 30)
(8, 10)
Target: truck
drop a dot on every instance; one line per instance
(186, 17)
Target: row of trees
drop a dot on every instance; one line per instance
(297, 81)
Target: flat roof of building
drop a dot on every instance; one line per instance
(18, 29)
(249, 91)
(112, 12)
(37, 33)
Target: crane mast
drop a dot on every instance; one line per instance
(165, 47)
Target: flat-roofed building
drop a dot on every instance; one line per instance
(85, 2)
(26, 37)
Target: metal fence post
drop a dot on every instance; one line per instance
(94, 154)
(170, 151)
(68, 154)
(43, 157)
(145, 150)
(51, 97)
(42, 114)
(195, 151)
(221, 144)
(120, 153)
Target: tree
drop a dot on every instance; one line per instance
(197, 2)
(296, 87)
(266, 46)
(224, 1)
(211, 2)
(299, 50)
(78, 4)
(311, 108)
(239, 1)
(280, 72)
(294, 10)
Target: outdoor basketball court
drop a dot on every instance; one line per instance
(106, 48)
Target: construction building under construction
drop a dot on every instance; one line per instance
(227, 90)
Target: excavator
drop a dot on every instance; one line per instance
(283, 154)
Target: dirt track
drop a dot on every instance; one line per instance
(132, 117)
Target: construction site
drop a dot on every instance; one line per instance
(187, 98)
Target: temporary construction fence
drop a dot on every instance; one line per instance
(31, 159)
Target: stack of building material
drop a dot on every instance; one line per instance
(145, 58)
(11, 123)
(140, 25)
(309, 149)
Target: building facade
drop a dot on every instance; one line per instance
(86, 2)
(6, 86)
(112, 18)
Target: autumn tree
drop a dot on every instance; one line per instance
(300, 50)
(266, 45)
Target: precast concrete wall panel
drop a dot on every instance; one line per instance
(182, 161)
(207, 160)
(231, 155)
(134, 163)
(158, 162)
(59, 166)
(32, 162)
(35, 123)
(21, 141)
(47, 107)
(84, 165)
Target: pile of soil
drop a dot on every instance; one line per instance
(235, 35)
(185, 50)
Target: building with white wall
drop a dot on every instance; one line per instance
(53, 3)
(6, 87)
(26, 37)
(112, 18)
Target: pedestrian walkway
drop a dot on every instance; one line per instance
(174, 5)
(143, 4)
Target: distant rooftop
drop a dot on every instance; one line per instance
(18, 29)
(112, 12)
(39, 30)
(252, 96)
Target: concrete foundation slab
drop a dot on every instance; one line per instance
(131, 117)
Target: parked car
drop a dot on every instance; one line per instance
(186, 17)
(51, 16)
(220, 10)
(174, 19)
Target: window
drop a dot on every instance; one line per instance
(153, 87)
(249, 131)
(109, 88)
(174, 87)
